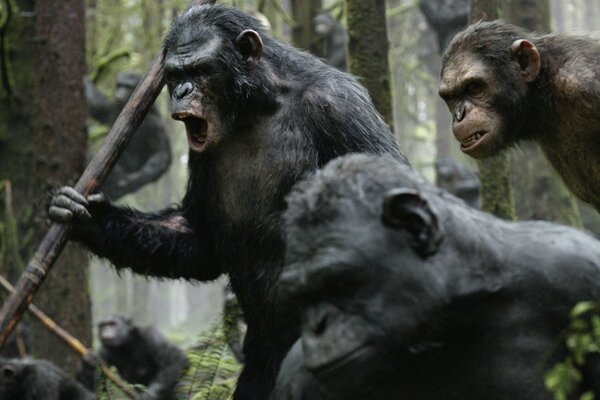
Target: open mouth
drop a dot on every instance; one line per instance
(472, 141)
(197, 132)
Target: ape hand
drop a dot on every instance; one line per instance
(67, 205)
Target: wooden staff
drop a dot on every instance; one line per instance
(71, 341)
(94, 175)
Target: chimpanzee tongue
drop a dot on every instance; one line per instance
(197, 132)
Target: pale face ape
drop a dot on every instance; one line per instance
(503, 85)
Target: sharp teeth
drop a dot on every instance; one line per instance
(473, 138)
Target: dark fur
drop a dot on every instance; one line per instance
(560, 109)
(290, 115)
(29, 379)
(147, 156)
(142, 355)
(446, 17)
(480, 315)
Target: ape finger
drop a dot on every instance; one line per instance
(59, 214)
(73, 194)
(76, 208)
(97, 198)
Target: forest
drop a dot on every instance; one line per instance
(299, 199)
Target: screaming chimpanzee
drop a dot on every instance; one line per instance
(148, 154)
(259, 114)
(407, 293)
(28, 379)
(503, 85)
(141, 356)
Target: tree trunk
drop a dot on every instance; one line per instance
(43, 115)
(368, 49)
(539, 191)
(496, 191)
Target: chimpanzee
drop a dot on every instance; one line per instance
(407, 293)
(334, 39)
(30, 379)
(259, 114)
(458, 179)
(141, 355)
(446, 18)
(148, 154)
(503, 85)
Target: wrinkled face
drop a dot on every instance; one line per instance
(469, 90)
(114, 331)
(195, 81)
(362, 291)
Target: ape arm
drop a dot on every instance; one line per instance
(172, 362)
(100, 107)
(157, 244)
(150, 145)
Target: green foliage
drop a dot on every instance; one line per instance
(107, 390)
(581, 339)
(213, 370)
(211, 374)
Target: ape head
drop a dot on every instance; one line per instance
(212, 56)
(126, 83)
(488, 74)
(323, 24)
(115, 331)
(358, 235)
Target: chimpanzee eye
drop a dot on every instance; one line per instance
(474, 88)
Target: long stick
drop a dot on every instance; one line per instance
(94, 175)
(71, 341)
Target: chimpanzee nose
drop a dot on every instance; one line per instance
(459, 112)
(182, 90)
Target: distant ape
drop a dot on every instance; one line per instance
(334, 38)
(17, 345)
(141, 356)
(503, 85)
(148, 154)
(446, 18)
(458, 179)
(28, 379)
(409, 294)
(259, 115)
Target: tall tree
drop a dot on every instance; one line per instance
(368, 48)
(539, 191)
(42, 120)
(496, 191)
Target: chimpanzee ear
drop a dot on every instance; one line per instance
(406, 209)
(528, 57)
(250, 45)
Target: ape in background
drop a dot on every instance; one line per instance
(446, 18)
(18, 343)
(148, 154)
(141, 355)
(29, 379)
(406, 292)
(259, 115)
(334, 38)
(503, 85)
(458, 179)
